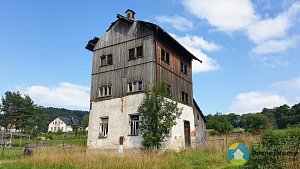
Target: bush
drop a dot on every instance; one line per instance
(281, 149)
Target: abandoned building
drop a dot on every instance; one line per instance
(127, 60)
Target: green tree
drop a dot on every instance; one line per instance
(234, 119)
(85, 120)
(21, 111)
(255, 123)
(219, 123)
(158, 115)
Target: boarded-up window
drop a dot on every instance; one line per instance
(139, 51)
(132, 54)
(134, 125)
(103, 127)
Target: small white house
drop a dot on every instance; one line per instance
(238, 155)
(64, 124)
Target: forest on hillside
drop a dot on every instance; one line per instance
(273, 118)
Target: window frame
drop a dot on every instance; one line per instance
(103, 128)
(104, 91)
(134, 125)
(135, 86)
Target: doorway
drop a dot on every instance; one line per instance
(187, 134)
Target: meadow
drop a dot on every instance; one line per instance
(210, 154)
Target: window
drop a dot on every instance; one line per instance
(184, 97)
(106, 60)
(132, 54)
(139, 51)
(54, 128)
(62, 128)
(135, 86)
(134, 125)
(61, 122)
(104, 91)
(103, 60)
(183, 68)
(51, 128)
(135, 53)
(109, 60)
(165, 56)
(168, 89)
(103, 128)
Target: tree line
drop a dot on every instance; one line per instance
(274, 118)
(19, 110)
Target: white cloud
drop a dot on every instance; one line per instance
(287, 85)
(274, 46)
(178, 22)
(255, 102)
(197, 42)
(269, 29)
(65, 95)
(194, 44)
(271, 35)
(229, 15)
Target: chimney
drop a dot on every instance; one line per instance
(130, 14)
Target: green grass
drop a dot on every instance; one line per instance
(11, 153)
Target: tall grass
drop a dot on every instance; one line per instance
(80, 158)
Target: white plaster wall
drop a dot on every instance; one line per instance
(59, 124)
(118, 124)
(176, 140)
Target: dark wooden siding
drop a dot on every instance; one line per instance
(117, 41)
(171, 73)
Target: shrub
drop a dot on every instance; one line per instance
(281, 149)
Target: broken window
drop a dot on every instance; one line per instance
(103, 127)
(104, 91)
(139, 51)
(135, 86)
(134, 125)
(184, 97)
(132, 54)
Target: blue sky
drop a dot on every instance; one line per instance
(249, 48)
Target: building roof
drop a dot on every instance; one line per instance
(198, 108)
(159, 34)
(70, 121)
